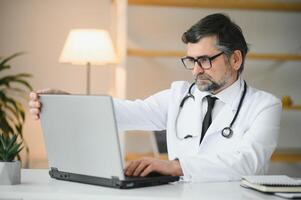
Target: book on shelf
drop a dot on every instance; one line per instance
(272, 183)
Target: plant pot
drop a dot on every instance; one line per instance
(10, 173)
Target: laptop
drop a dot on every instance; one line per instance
(82, 142)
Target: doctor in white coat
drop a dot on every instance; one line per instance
(218, 128)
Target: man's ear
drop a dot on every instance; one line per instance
(236, 60)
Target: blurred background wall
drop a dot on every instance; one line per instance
(40, 27)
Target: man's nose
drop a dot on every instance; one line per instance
(197, 69)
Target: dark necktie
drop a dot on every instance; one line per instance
(208, 117)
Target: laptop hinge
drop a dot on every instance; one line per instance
(54, 169)
(115, 178)
(116, 181)
(53, 172)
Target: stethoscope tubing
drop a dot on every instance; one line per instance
(227, 132)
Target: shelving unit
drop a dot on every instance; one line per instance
(119, 28)
(289, 155)
(224, 4)
(178, 54)
(280, 155)
(296, 107)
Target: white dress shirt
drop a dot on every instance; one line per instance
(255, 131)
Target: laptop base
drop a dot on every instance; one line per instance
(114, 182)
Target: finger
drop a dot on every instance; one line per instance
(44, 91)
(33, 95)
(131, 168)
(147, 170)
(34, 111)
(51, 91)
(35, 117)
(140, 168)
(127, 166)
(34, 104)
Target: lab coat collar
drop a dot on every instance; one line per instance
(228, 96)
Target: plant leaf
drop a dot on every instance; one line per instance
(2, 140)
(13, 152)
(5, 126)
(12, 114)
(11, 57)
(12, 141)
(8, 80)
(24, 83)
(4, 67)
(15, 105)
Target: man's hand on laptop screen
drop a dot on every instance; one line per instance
(34, 103)
(146, 166)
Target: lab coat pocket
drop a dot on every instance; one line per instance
(236, 138)
(219, 144)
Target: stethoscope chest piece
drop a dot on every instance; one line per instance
(227, 132)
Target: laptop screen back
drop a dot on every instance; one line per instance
(81, 136)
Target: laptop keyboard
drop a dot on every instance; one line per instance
(150, 175)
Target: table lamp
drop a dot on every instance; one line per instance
(88, 47)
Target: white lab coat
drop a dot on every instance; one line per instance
(217, 158)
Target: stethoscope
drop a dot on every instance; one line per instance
(227, 132)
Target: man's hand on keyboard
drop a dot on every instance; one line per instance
(145, 166)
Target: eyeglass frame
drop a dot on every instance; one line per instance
(196, 60)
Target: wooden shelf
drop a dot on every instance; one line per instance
(179, 54)
(290, 155)
(280, 155)
(276, 57)
(155, 53)
(224, 4)
(295, 107)
(135, 156)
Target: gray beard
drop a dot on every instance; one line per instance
(212, 85)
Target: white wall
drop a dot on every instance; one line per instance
(40, 28)
(267, 32)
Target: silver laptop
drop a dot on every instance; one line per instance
(82, 142)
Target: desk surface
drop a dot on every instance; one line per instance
(36, 184)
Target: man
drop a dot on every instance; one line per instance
(219, 128)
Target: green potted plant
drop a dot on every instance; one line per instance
(13, 89)
(10, 169)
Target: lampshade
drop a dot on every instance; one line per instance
(91, 46)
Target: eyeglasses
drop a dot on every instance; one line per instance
(203, 61)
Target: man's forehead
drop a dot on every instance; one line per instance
(205, 46)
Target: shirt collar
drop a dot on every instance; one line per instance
(228, 96)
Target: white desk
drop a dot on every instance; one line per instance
(36, 184)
